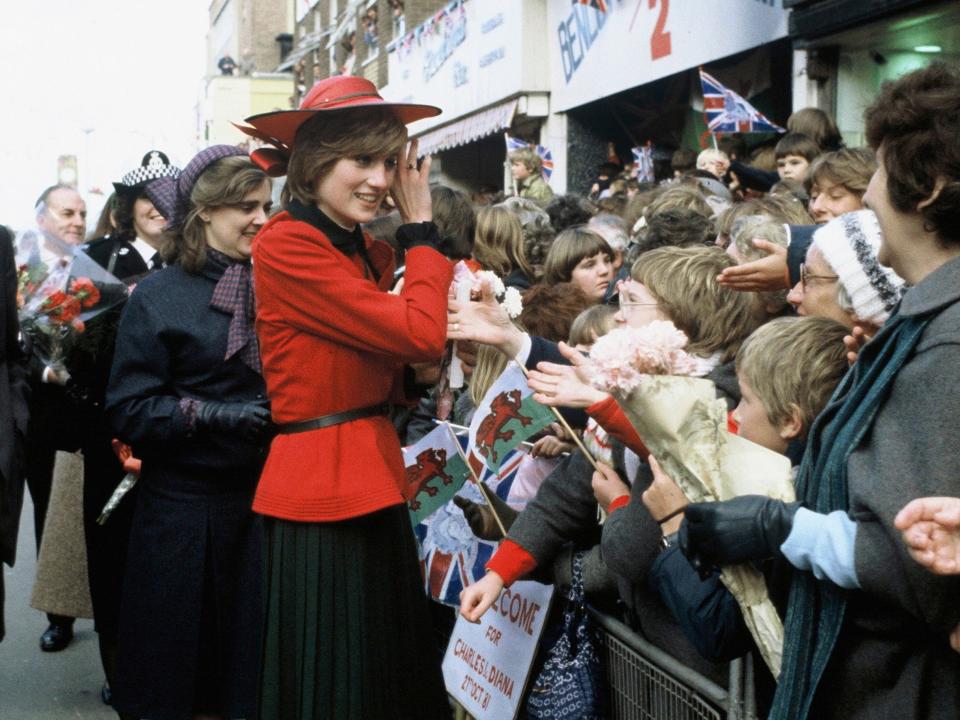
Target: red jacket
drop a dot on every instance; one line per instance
(332, 340)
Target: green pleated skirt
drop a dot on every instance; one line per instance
(347, 631)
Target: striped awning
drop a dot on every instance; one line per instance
(466, 130)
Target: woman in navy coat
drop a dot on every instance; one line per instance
(186, 392)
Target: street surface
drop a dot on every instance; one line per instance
(35, 685)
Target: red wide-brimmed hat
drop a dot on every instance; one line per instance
(338, 93)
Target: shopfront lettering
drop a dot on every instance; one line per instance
(576, 36)
(459, 74)
(493, 22)
(492, 57)
(449, 35)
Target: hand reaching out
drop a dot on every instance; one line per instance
(767, 273)
(931, 530)
(564, 385)
(476, 599)
(483, 321)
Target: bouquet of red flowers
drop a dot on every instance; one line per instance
(59, 291)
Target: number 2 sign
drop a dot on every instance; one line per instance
(660, 40)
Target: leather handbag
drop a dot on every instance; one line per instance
(571, 684)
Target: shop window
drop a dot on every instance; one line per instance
(399, 23)
(371, 40)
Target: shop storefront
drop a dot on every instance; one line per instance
(629, 74)
(482, 62)
(845, 49)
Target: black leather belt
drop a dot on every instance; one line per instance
(333, 419)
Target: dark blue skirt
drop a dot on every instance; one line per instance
(191, 614)
(348, 631)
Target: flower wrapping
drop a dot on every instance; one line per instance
(684, 425)
(59, 291)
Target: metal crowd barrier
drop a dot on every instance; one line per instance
(648, 684)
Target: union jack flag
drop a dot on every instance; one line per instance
(727, 112)
(643, 157)
(546, 157)
(600, 5)
(451, 557)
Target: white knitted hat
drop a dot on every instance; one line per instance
(850, 244)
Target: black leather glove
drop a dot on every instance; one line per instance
(749, 527)
(248, 421)
(480, 518)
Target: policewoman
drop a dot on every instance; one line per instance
(347, 630)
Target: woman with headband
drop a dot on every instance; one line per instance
(347, 629)
(187, 394)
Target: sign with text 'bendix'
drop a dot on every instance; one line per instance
(487, 664)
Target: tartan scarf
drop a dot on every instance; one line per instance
(815, 609)
(233, 295)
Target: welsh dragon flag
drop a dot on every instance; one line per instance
(506, 417)
(435, 472)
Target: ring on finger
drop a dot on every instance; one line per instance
(410, 166)
(456, 327)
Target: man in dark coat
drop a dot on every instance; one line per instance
(54, 423)
(14, 391)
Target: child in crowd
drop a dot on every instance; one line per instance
(837, 181)
(794, 154)
(526, 167)
(580, 256)
(715, 162)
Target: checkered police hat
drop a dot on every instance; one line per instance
(155, 165)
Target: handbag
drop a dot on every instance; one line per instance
(570, 685)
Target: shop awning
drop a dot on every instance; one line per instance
(466, 130)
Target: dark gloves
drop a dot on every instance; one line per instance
(480, 518)
(248, 421)
(749, 527)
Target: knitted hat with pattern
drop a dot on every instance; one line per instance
(850, 244)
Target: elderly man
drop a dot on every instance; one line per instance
(61, 213)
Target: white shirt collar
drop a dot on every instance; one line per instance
(146, 250)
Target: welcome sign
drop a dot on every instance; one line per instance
(488, 663)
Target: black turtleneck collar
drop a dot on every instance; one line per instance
(217, 263)
(346, 241)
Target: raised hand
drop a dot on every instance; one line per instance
(564, 385)
(411, 187)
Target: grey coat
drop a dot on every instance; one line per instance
(892, 657)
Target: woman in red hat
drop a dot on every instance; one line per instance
(347, 630)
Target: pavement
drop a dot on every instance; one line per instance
(35, 685)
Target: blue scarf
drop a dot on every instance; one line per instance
(816, 608)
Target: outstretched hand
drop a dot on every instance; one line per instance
(411, 187)
(931, 530)
(564, 385)
(483, 321)
(767, 273)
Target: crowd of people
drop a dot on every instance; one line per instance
(270, 362)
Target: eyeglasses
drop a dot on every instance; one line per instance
(624, 304)
(805, 277)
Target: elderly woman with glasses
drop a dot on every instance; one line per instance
(842, 279)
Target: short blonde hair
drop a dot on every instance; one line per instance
(329, 137)
(792, 363)
(710, 155)
(568, 249)
(528, 157)
(591, 324)
(683, 280)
